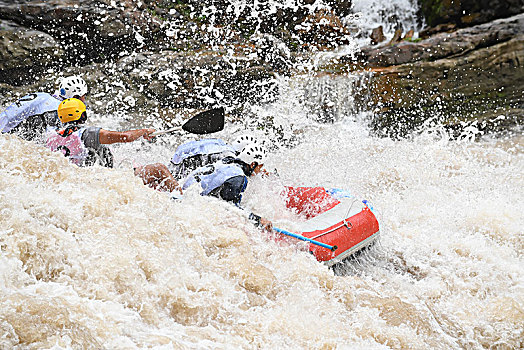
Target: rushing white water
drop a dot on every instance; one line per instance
(91, 258)
(390, 15)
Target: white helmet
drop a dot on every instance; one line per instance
(72, 86)
(242, 141)
(252, 153)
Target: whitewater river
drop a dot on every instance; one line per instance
(91, 258)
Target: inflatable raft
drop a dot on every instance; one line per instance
(341, 223)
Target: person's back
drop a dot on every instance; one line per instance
(227, 178)
(80, 145)
(194, 154)
(30, 116)
(223, 180)
(33, 114)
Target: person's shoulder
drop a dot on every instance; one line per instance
(44, 94)
(89, 130)
(92, 128)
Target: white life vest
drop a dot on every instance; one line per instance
(201, 147)
(71, 146)
(212, 176)
(29, 105)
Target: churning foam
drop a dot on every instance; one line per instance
(92, 258)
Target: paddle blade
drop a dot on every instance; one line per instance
(206, 122)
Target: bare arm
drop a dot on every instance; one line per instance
(109, 137)
(158, 177)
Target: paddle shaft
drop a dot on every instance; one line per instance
(312, 241)
(162, 132)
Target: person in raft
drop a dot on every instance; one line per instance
(195, 154)
(31, 115)
(83, 145)
(188, 157)
(220, 169)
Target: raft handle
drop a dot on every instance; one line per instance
(312, 241)
(350, 226)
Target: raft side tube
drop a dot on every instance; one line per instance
(347, 234)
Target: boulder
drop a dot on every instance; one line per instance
(25, 52)
(480, 85)
(444, 45)
(87, 30)
(465, 13)
(474, 73)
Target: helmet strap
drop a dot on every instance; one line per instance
(251, 168)
(246, 168)
(83, 118)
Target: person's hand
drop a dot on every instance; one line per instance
(266, 224)
(147, 134)
(264, 173)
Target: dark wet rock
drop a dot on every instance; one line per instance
(429, 31)
(341, 7)
(377, 35)
(444, 45)
(25, 52)
(177, 80)
(102, 30)
(465, 13)
(296, 25)
(272, 52)
(89, 29)
(471, 74)
(323, 29)
(481, 85)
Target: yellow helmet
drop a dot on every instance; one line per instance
(71, 109)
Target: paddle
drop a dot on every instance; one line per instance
(206, 122)
(312, 241)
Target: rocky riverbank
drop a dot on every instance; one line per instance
(474, 73)
(162, 56)
(159, 55)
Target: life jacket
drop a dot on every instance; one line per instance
(30, 105)
(69, 143)
(213, 176)
(194, 154)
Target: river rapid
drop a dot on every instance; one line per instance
(90, 258)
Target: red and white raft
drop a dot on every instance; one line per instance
(333, 217)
